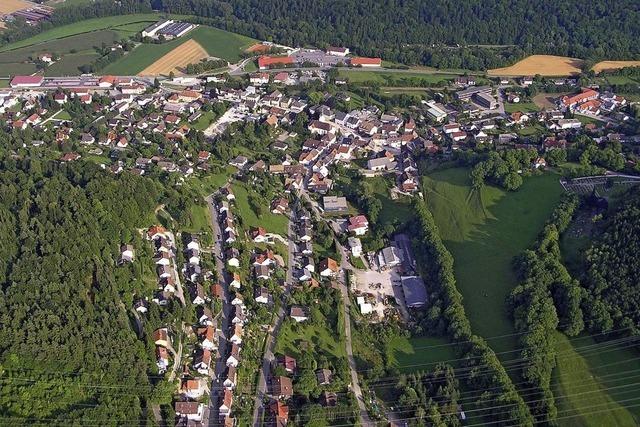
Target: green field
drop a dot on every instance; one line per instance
(594, 383)
(273, 223)
(417, 354)
(83, 27)
(218, 43)
(68, 65)
(587, 120)
(525, 107)
(387, 78)
(484, 231)
(392, 210)
(620, 80)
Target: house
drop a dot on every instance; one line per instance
(365, 307)
(194, 388)
(192, 411)
(237, 300)
(388, 257)
(358, 225)
(329, 398)
(280, 412)
(338, 51)
(204, 315)
(307, 263)
(261, 295)
(197, 294)
(281, 387)
(324, 376)
(414, 290)
(156, 232)
(235, 283)
(225, 404)
(231, 380)
(239, 162)
(334, 204)
(238, 316)
(234, 356)
(571, 101)
(202, 361)
(304, 275)
(306, 247)
(141, 305)
(236, 338)
(161, 337)
(298, 313)
(258, 235)
(540, 162)
(279, 206)
(355, 246)
(233, 257)
(287, 362)
(227, 192)
(207, 337)
(262, 272)
(127, 253)
(328, 267)
(162, 359)
(381, 164)
(265, 258)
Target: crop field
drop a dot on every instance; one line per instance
(484, 231)
(545, 65)
(614, 65)
(187, 53)
(10, 6)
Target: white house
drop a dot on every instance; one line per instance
(355, 245)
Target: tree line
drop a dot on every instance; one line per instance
(546, 300)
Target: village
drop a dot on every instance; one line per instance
(248, 284)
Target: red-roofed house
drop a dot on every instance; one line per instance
(360, 61)
(584, 96)
(358, 225)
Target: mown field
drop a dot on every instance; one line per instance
(484, 231)
(420, 353)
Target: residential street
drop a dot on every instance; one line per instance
(262, 388)
(223, 320)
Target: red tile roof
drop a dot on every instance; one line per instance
(267, 61)
(359, 60)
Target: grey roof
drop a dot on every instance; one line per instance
(415, 292)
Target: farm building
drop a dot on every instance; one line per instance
(415, 293)
(366, 62)
(26, 81)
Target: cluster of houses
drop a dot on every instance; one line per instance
(165, 262)
(590, 101)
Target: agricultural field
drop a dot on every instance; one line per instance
(394, 79)
(545, 65)
(10, 6)
(614, 65)
(68, 65)
(187, 53)
(214, 42)
(484, 231)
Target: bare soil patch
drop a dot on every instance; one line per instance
(545, 65)
(10, 6)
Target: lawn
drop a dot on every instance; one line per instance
(211, 182)
(392, 210)
(387, 78)
(204, 120)
(525, 107)
(199, 220)
(620, 80)
(321, 338)
(418, 354)
(273, 223)
(530, 130)
(593, 377)
(484, 231)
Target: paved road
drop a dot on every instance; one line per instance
(223, 320)
(258, 409)
(355, 384)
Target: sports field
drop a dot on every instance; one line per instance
(10, 6)
(545, 65)
(187, 53)
(614, 65)
(484, 231)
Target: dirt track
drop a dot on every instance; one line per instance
(189, 52)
